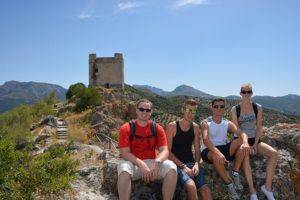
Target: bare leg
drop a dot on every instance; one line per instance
(205, 193)
(220, 168)
(169, 185)
(124, 186)
(272, 154)
(239, 156)
(248, 173)
(191, 190)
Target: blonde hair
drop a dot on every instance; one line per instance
(246, 85)
(143, 101)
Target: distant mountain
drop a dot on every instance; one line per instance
(154, 90)
(182, 90)
(235, 97)
(14, 93)
(289, 104)
(190, 91)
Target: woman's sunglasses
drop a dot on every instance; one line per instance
(246, 92)
(144, 109)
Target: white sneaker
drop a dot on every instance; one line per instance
(237, 181)
(232, 192)
(253, 196)
(269, 194)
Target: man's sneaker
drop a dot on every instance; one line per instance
(232, 193)
(268, 193)
(253, 196)
(237, 180)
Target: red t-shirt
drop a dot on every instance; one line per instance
(142, 148)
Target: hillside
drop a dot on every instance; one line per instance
(289, 104)
(164, 107)
(14, 93)
(182, 90)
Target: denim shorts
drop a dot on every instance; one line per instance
(183, 177)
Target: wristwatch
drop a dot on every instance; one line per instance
(182, 165)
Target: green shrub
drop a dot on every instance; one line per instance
(21, 174)
(76, 89)
(89, 99)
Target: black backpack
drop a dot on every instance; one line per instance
(238, 110)
(133, 129)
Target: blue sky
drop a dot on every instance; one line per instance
(212, 45)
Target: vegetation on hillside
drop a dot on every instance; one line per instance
(21, 173)
(84, 97)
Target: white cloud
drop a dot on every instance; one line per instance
(88, 11)
(181, 3)
(127, 5)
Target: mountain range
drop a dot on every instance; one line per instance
(14, 93)
(288, 104)
(182, 90)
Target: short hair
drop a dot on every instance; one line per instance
(217, 100)
(143, 101)
(246, 85)
(190, 102)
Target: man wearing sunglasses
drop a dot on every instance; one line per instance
(182, 135)
(139, 154)
(218, 151)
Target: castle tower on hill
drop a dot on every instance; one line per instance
(106, 71)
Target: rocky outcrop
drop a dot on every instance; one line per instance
(284, 137)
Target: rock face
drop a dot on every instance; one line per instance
(284, 137)
(97, 172)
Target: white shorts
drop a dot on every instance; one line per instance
(134, 171)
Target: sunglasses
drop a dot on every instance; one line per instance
(193, 111)
(219, 106)
(144, 109)
(246, 92)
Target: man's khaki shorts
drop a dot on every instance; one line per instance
(134, 171)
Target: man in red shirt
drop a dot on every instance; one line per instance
(139, 154)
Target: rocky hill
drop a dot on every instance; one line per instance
(98, 156)
(14, 93)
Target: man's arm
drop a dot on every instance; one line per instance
(232, 128)
(195, 168)
(124, 144)
(243, 136)
(219, 156)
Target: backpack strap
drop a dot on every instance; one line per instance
(254, 105)
(132, 129)
(153, 129)
(238, 110)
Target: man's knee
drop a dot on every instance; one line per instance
(190, 185)
(125, 166)
(274, 154)
(168, 168)
(205, 189)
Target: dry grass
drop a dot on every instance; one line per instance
(87, 158)
(78, 130)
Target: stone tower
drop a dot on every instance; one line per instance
(106, 71)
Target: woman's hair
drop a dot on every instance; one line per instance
(190, 102)
(143, 101)
(246, 85)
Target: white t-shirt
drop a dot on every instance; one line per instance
(217, 132)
